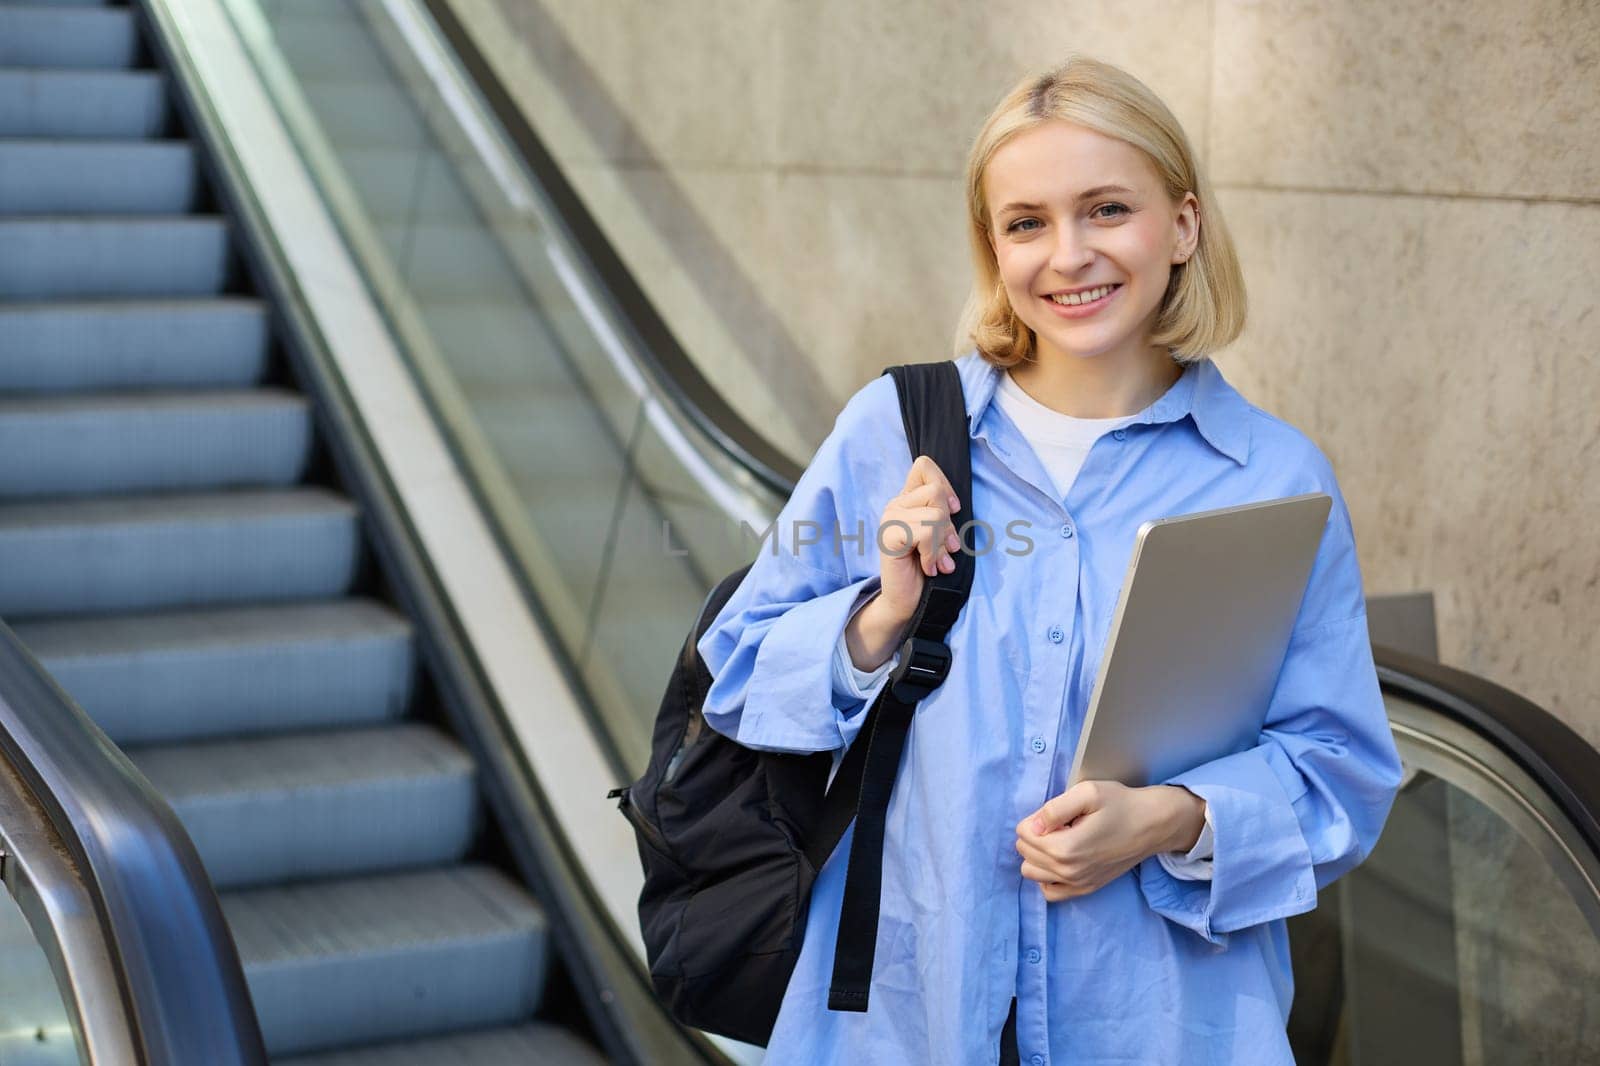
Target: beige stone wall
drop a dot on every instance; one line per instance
(1415, 190)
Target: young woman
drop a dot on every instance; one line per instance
(1020, 920)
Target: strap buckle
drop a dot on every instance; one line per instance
(923, 666)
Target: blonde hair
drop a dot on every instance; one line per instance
(1204, 305)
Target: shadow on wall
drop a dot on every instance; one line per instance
(701, 256)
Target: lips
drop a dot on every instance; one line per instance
(1080, 292)
(1082, 310)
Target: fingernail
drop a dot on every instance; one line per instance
(1038, 825)
(955, 504)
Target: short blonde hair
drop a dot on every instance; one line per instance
(1204, 305)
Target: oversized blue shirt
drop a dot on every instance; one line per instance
(1149, 968)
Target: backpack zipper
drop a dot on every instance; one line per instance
(640, 822)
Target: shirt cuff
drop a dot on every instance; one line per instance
(783, 701)
(1262, 868)
(850, 682)
(1196, 864)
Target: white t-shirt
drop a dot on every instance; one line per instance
(1062, 443)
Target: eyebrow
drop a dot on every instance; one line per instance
(1098, 190)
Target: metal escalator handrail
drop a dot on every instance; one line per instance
(675, 374)
(176, 969)
(1565, 765)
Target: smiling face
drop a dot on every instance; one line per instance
(1085, 238)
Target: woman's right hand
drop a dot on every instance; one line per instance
(916, 537)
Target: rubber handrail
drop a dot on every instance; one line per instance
(1564, 764)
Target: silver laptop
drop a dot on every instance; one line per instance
(1198, 638)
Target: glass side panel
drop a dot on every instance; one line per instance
(34, 1030)
(1470, 935)
(536, 382)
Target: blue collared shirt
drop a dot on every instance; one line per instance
(1149, 968)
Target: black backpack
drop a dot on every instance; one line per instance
(732, 838)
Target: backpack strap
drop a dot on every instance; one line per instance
(935, 414)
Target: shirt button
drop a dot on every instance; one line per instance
(1056, 634)
(1066, 529)
(1119, 434)
(1033, 954)
(1037, 1060)
(1037, 744)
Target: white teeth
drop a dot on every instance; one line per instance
(1091, 296)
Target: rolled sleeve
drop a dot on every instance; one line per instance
(1195, 864)
(850, 682)
(770, 651)
(1304, 806)
(1307, 803)
(785, 699)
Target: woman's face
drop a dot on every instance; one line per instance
(1073, 211)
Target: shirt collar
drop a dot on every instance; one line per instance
(1217, 409)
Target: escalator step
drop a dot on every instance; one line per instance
(73, 103)
(336, 964)
(38, 35)
(56, 257)
(121, 344)
(145, 552)
(76, 444)
(39, 177)
(147, 678)
(266, 810)
(534, 1044)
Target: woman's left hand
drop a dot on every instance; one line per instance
(1098, 830)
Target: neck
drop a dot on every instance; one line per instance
(1098, 386)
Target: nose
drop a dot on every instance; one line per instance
(1071, 252)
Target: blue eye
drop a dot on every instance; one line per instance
(1012, 228)
(1120, 207)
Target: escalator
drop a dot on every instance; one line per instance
(178, 552)
(1472, 932)
(389, 755)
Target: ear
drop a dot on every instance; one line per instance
(1186, 227)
